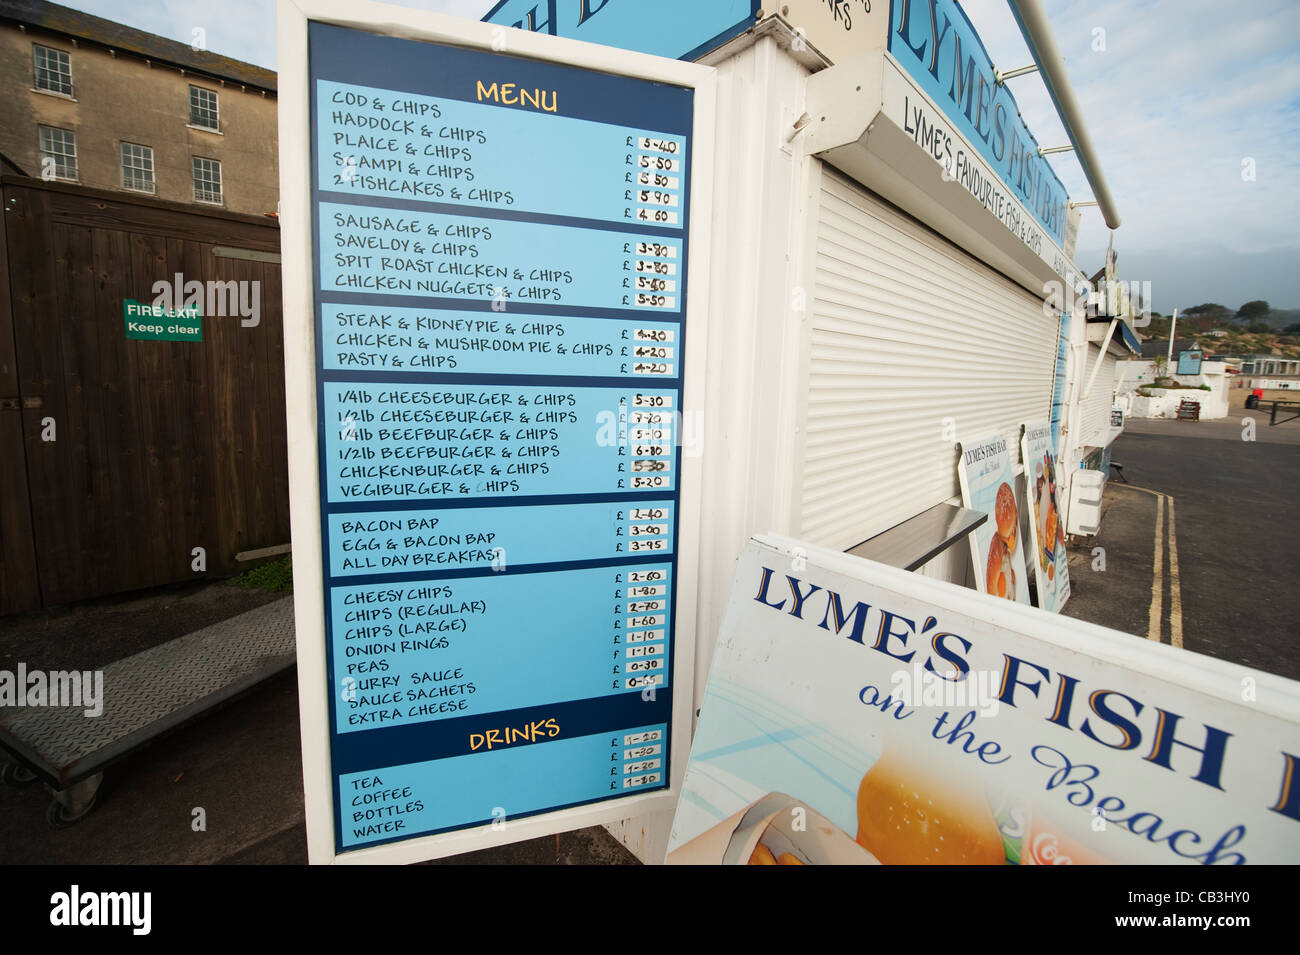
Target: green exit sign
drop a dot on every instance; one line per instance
(154, 323)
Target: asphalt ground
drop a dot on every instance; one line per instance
(1218, 501)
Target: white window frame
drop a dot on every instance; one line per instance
(146, 156)
(216, 109)
(60, 56)
(72, 141)
(194, 175)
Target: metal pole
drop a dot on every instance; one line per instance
(1110, 333)
(1002, 77)
(1172, 323)
(1038, 34)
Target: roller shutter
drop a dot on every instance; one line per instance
(907, 330)
(1095, 408)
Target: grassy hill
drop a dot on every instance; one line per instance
(1237, 341)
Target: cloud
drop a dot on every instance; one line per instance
(1191, 276)
(1183, 94)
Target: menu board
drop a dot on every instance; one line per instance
(500, 252)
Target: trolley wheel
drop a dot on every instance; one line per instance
(17, 776)
(74, 803)
(58, 817)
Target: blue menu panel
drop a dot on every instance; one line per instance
(500, 259)
(380, 805)
(472, 646)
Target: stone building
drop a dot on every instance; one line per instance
(86, 100)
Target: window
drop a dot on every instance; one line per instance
(53, 70)
(207, 180)
(203, 108)
(58, 153)
(137, 167)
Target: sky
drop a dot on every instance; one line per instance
(1193, 107)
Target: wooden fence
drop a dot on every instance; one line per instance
(120, 457)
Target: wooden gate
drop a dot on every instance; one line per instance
(119, 457)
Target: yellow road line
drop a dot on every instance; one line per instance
(1175, 582)
(1133, 487)
(1157, 574)
(1175, 592)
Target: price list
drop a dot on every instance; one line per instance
(500, 252)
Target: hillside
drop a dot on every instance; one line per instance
(1236, 341)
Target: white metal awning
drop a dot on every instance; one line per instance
(868, 119)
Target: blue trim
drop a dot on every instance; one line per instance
(707, 46)
(724, 37)
(491, 212)
(1130, 339)
(366, 750)
(381, 299)
(1125, 336)
(754, 7)
(468, 573)
(641, 498)
(380, 376)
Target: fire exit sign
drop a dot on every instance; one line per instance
(155, 323)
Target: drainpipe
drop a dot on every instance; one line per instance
(1042, 45)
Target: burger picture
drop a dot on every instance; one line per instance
(999, 577)
(1007, 516)
(988, 484)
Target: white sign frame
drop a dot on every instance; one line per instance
(783, 661)
(1035, 542)
(968, 499)
(300, 403)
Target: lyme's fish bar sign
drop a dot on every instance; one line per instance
(496, 313)
(935, 44)
(840, 686)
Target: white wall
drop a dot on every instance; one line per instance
(750, 379)
(1133, 374)
(764, 263)
(1164, 403)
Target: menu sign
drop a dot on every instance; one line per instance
(985, 473)
(500, 257)
(1046, 529)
